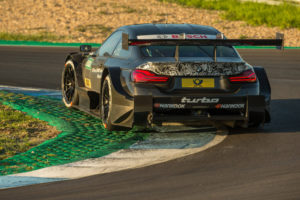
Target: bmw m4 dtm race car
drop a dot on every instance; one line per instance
(158, 74)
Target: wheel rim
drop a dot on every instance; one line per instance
(69, 84)
(105, 101)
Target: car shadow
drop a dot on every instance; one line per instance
(285, 117)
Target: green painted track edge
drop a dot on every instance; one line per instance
(46, 44)
(61, 44)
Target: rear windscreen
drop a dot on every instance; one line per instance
(188, 51)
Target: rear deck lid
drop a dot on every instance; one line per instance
(195, 68)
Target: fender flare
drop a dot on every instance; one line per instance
(264, 89)
(124, 103)
(77, 59)
(115, 76)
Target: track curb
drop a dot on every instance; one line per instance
(82, 135)
(139, 154)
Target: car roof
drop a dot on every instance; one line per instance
(150, 29)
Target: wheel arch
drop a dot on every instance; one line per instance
(124, 106)
(115, 76)
(77, 59)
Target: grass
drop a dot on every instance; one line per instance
(285, 15)
(243, 36)
(105, 13)
(19, 132)
(127, 9)
(42, 36)
(94, 28)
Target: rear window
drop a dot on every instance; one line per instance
(188, 51)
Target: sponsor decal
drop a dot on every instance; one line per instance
(199, 100)
(189, 36)
(175, 36)
(230, 106)
(160, 105)
(198, 81)
(87, 83)
(96, 70)
(196, 36)
(88, 64)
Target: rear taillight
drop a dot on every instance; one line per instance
(144, 76)
(247, 76)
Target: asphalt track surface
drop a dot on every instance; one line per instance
(249, 164)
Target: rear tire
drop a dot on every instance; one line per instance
(70, 95)
(106, 104)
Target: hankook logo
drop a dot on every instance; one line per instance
(230, 106)
(201, 100)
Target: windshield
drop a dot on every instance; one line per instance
(188, 51)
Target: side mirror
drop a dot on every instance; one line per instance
(85, 48)
(93, 54)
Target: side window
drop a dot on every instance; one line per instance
(121, 53)
(110, 44)
(226, 51)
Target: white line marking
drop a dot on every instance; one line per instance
(117, 161)
(18, 181)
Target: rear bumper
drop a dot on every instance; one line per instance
(158, 110)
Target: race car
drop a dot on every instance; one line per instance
(166, 74)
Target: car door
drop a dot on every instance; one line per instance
(102, 55)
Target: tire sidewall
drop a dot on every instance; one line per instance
(75, 95)
(107, 122)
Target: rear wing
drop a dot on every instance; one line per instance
(199, 39)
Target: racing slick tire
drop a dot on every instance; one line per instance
(70, 95)
(106, 104)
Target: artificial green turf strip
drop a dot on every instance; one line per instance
(82, 135)
(46, 44)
